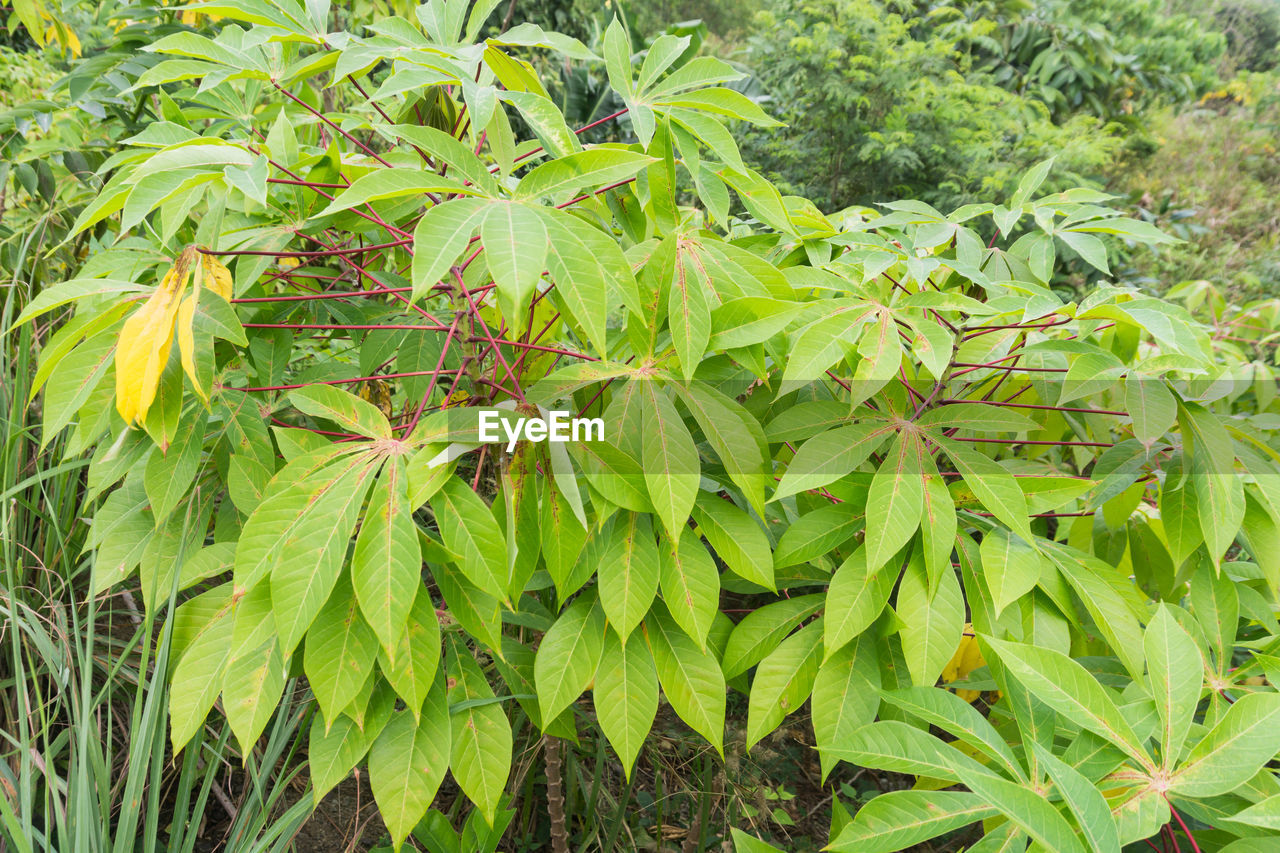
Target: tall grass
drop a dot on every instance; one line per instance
(84, 763)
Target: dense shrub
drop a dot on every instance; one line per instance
(1018, 547)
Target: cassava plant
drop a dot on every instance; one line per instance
(879, 439)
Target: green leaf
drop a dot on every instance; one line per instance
(568, 656)
(393, 183)
(386, 568)
(559, 180)
(444, 148)
(1010, 566)
(895, 501)
(762, 629)
(412, 668)
(1152, 406)
(1090, 248)
(1218, 488)
(480, 757)
(469, 530)
(1027, 808)
(440, 236)
(830, 455)
(515, 249)
(1265, 814)
(1234, 750)
(736, 538)
(251, 690)
(900, 819)
(198, 675)
(340, 651)
(307, 566)
(947, 711)
(333, 751)
(346, 410)
(933, 622)
(821, 344)
(407, 763)
(817, 533)
(625, 695)
(900, 747)
(1176, 673)
(629, 572)
(690, 584)
(1179, 514)
(170, 473)
(743, 843)
(1086, 802)
(691, 678)
(1065, 685)
(856, 598)
(670, 460)
(582, 281)
(783, 681)
(734, 435)
(994, 486)
(545, 120)
(688, 311)
(845, 696)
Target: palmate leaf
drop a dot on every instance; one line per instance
(1069, 689)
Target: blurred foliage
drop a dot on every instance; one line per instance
(882, 106)
(1214, 181)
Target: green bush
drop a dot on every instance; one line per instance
(1020, 548)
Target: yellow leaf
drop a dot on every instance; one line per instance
(187, 341)
(216, 276)
(211, 275)
(967, 658)
(145, 341)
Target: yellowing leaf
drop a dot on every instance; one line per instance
(145, 340)
(211, 275)
(967, 658)
(216, 276)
